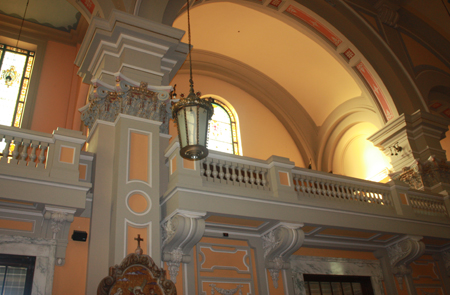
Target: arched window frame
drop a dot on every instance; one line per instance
(235, 136)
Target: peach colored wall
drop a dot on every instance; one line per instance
(213, 258)
(262, 134)
(70, 279)
(58, 90)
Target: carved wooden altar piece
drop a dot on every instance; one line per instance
(137, 274)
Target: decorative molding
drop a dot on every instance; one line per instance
(278, 246)
(58, 225)
(402, 254)
(180, 234)
(139, 101)
(225, 291)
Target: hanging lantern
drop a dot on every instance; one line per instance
(192, 115)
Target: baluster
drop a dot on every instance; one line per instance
(327, 190)
(246, 178)
(33, 156)
(348, 193)
(233, 174)
(353, 194)
(221, 173)
(208, 168)
(340, 192)
(5, 152)
(252, 177)
(303, 185)
(319, 188)
(41, 158)
(309, 186)
(24, 153)
(15, 153)
(227, 172)
(239, 171)
(258, 177)
(314, 187)
(297, 186)
(203, 168)
(263, 179)
(214, 170)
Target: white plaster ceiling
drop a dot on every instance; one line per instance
(293, 60)
(58, 14)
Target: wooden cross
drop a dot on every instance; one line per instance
(139, 239)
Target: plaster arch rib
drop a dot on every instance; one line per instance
(357, 34)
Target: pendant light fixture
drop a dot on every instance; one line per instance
(192, 115)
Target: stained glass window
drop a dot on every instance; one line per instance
(222, 135)
(15, 72)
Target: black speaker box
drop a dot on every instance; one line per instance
(79, 236)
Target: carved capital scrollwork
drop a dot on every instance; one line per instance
(180, 234)
(402, 254)
(107, 102)
(278, 246)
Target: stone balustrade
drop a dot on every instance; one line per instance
(27, 153)
(278, 181)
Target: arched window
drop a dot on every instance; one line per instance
(15, 72)
(223, 133)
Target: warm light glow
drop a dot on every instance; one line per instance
(357, 157)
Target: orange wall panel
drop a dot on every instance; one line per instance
(139, 156)
(55, 87)
(70, 279)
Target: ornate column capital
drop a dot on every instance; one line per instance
(129, 98)
(402, 254)
(180, 234)
(278, 244)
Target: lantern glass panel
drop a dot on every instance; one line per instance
(191, 120)
(203, 126)
(181, 118)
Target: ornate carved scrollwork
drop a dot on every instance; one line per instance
(140, 101)
(58, 223)
(402, 254)
(180, 233)
(428, 174)
(278, 246)
(225, 291)
(116, 272)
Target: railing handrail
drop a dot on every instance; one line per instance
(341, 178)
(238, 159)
(26, 134)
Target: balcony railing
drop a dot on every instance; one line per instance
(50, 158)
(277, 179)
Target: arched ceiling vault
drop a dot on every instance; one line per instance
(291, 114)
